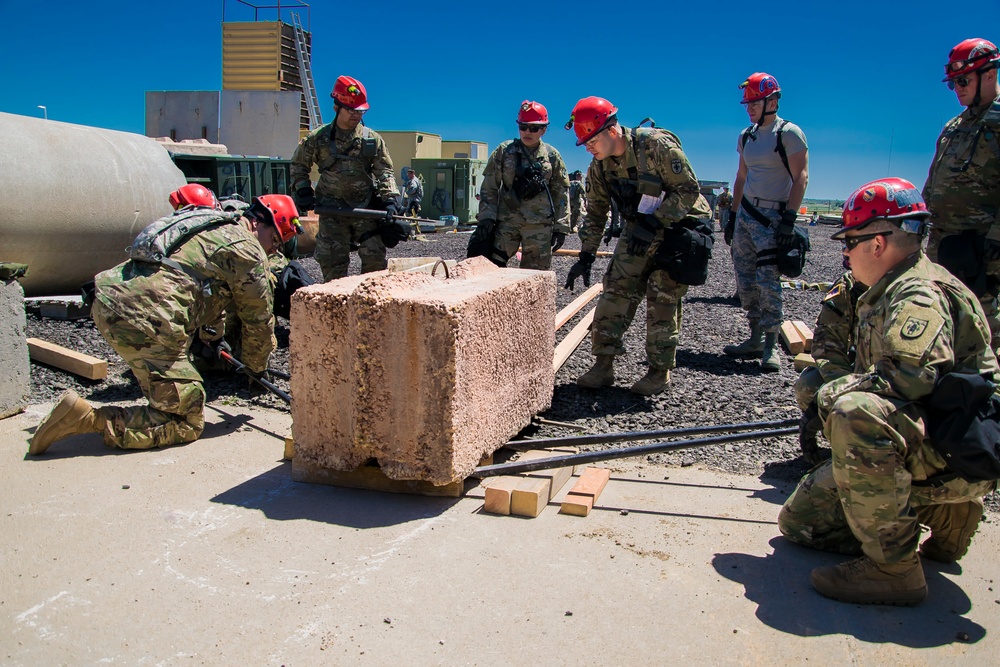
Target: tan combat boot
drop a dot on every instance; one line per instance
(863, 581)
(70, 416)
(751, 347)
(653, 382)
(601, 375)
(952, 526)
(770, 360)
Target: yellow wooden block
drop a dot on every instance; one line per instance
(289, 448)
(576, 505)
(530, 497)
(497, 494)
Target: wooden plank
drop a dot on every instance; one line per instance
(803, 361)
(498, 492)
(77, 363)
(567, 313)
(581, 498)
(805, 333)
(289, 449)
(566, 252)
(576, 505)
(556, 476)
(572, 340)
(530, 496)
(791, 338)
(371, 477)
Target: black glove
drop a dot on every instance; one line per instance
(786, 229)
(991, 250)
(581, 269)
(809, 427)
(558, 238)
(252, 380)
(305, 199)
(391, 210)
(643, 233)
(210, 349)
(729, 229)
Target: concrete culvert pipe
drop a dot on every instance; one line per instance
(73, 197)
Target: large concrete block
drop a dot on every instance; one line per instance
(422, 373)
(15, 369)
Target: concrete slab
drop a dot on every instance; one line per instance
(211, 552)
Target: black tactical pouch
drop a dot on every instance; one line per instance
(686, 250)
(792, 258)
(962, 414)
(292, 277)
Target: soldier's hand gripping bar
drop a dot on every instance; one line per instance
(267, 384)
(368, 213)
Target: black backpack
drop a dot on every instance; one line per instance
(291, 279)
(963, 414)
(686, 250)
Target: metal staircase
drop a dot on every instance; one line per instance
(304, 54)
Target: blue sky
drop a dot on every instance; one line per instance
(853, 74)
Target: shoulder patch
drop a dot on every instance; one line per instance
(835, 292)
(914, 332)
(676, 165)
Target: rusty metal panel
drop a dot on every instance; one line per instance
(252, 55)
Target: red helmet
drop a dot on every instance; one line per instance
(280, 211)
(759, 86)
(885, 199)
(349, 92)
(532, 113)
(193, 194)
(970, 56)
(590, 116)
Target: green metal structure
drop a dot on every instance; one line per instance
(451, 187)
(226, 175)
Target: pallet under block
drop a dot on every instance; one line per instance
(527, 494)
(371, 477)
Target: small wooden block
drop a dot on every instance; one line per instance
(791, 338)
(803, 361)
(371, 477)
(576, 505)
(592, 482)
(805, 333)
(289, 449)
(530, 497)
(498, 492)
(556, 476)
(74, 362)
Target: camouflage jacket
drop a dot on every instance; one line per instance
(915, 324)
(664, 160)
(833, 339)
(169, 305)
(497, 196)
(724, 201)
(352, 168)
(963, 185)
(577, 196)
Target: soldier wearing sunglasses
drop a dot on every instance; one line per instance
(524, 198)
(963, 185)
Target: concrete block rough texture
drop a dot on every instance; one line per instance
(424, 374)
(15, 370)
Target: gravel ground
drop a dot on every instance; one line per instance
(707, 388)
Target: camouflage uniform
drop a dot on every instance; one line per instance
(349, 177)
(577, 204)
(531, 222)
(629, 276)
(723, 204)
(833, 339)
(150, 314)
(917, 323)
(963, 191)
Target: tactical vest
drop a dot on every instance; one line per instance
(366, 148)
(529, 180)
(628, 192)
(158, 240)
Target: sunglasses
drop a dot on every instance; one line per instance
(852, 242)
(530, 128)
(960, 81)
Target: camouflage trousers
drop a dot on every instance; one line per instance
(759, 286)
(335, 238)
(576, 216)
(806, 386)
(864, 499)
(628, 277)
(533, 237)
(988, 300)
(176, 411)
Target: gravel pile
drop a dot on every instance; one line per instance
(707, 388)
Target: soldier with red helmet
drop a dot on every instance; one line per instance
(355, 171)
(963, 185)
(151, 309)
(770, 184)
(524, 197)
(645, 172)
(918, 327)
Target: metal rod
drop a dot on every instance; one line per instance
(628, 436)
(367, 213)
(621, 453)
(267, 384)
(550, 422)
(279, 374)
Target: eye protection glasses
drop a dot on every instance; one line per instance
(959, 82)
(852, 242)
(524, 127)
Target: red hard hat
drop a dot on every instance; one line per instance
(280, 211)
(532, 113)
(350, 93)
(970, 55)
(884, 199)
(759, 86)
(193, 194)
(590, 116)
